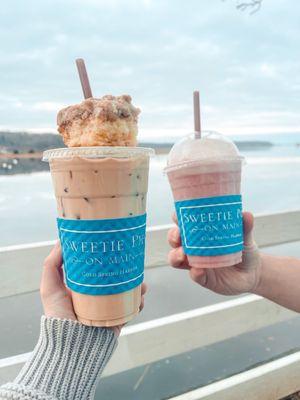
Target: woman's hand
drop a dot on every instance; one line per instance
(240, 278)
(56, 297)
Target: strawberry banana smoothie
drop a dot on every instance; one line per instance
(205, 178)
(101, 200)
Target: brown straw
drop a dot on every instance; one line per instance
(84, 79)
(197, 121)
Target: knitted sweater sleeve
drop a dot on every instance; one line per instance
(65, 364)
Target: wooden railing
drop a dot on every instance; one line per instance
(154, 340)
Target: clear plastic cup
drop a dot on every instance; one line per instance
(101, 201)
(205, 178)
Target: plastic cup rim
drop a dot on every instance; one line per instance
(96, 152)
(206, 162)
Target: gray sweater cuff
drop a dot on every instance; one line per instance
(67, 360)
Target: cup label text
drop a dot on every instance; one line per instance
(103, 257)
(211, 226)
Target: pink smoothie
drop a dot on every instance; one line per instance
(209, 170)
(191, 183)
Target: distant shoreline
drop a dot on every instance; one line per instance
(22, 153)
(160, 148)
(36, 156)
(29, 145)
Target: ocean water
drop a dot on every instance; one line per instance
(271, 183)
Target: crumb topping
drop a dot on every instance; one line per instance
(107, 108)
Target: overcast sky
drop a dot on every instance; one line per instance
(247, 68)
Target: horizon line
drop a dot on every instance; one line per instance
(163, 132)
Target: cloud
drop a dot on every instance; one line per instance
(268, 70)
(9, 102)
(113, 4)
(193, 45)
(158, 51)
(48, 106)
(259, 122)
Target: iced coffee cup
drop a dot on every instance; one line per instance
(101, 200)
(100, 183)
(205, 178)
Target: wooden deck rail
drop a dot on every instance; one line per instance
(165, 337)
(272, 380)
(157, 339)
(25, 260)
